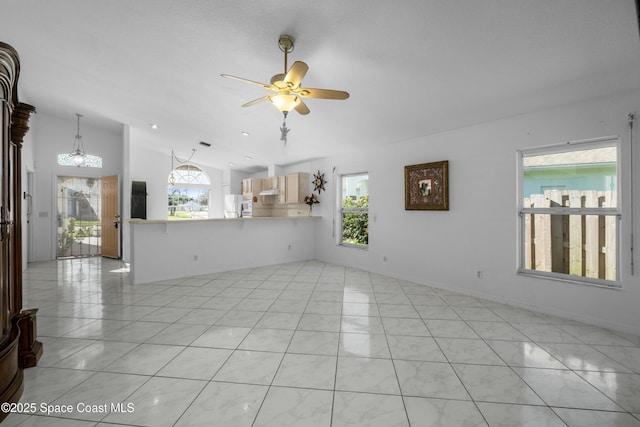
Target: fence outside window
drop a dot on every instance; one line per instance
(569, 210)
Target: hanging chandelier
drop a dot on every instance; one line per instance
(172, 177)
(78, 155)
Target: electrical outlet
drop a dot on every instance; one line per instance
(289, 247)
(384, 258)
(195, 257)
(479, 274)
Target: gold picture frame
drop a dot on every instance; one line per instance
(426, 186)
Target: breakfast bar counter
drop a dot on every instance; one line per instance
(163, 249)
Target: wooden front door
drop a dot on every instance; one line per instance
(110, 217)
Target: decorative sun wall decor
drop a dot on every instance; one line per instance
(319, 182)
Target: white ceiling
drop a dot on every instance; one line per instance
(412, 67)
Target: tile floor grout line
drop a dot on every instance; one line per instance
(475, 404)
(559, 361)
(335, 375)
(395, 370)
(548, 405)
(277, 369)
(86, 305)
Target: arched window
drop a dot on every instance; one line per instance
(188, 193)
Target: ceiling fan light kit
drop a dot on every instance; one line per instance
(288, 92)
(285, 103)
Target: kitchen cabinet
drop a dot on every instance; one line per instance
(297, 187)
(251, 187)
(246, 188)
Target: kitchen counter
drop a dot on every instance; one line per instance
(183, 221)
(163, 249)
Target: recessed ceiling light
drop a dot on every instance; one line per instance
(245, 133)
(248, 157)
(231, 164)
(154, 126)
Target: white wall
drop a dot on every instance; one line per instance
(232, 181)
(27, 165)
(172, 249)
(479, 232)
(126, 193)
(154, 167)
(53, 135)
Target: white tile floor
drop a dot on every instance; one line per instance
(312, 344)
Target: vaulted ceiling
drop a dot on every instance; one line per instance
(412, 67)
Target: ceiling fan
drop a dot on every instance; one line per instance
(288, 92)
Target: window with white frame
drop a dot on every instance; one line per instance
(188, 193)
(354, 210)
(570, 211)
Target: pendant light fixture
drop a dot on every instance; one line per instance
(172, 176)
(78, 154)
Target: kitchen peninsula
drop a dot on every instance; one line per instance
(280, 231)
(162, 249)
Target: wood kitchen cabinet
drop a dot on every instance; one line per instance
(251, 187)
(297, 187)
(245, 188)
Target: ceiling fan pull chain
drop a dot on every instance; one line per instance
(283, 130)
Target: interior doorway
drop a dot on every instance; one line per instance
(79, 225)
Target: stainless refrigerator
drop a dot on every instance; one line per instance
(232, 205)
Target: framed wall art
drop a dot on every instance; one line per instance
(426, 186)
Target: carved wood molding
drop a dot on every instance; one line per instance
(11, 375)
(29, 348)
(9, 72)
(20, 122)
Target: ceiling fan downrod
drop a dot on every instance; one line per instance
(286, 44)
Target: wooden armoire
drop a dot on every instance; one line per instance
(19, 348)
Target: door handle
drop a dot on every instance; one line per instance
(115, 224)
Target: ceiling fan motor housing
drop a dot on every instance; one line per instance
(278, 78)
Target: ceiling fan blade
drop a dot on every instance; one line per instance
(296, 73)
(263, 85)
(302, 108)
(256, 101)
(308, 92)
